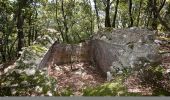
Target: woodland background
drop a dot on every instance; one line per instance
(29, 27)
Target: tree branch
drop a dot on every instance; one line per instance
(162, 5)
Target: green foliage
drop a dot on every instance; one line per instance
(78, 24)
(114, 88)
(160, 92)
(155, 72)
(155, 77)
(66, 92)
(21, 84)
(24, 79)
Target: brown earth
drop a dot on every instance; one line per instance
(81, 75)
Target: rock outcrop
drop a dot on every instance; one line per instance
(109, 50)
(60, 54)
(117, 49)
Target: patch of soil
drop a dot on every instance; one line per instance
(77, 77)
(148, 82)
(6, 65)
(81, 75)
(133, 85)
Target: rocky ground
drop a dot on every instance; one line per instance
(81, 75)
(78, 77)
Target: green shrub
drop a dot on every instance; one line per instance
(25, 79)
(114, 88)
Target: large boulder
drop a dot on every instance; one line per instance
(117, 49)
(109, 50)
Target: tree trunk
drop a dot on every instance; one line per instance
(130, 13)
(36, 15)
(154, 13)
(156, 16)
(64, 22)
(107, 14)
(59, 27)
(29, 32)
(2, 50)
(138, 18)
(91, 19)
(115, 14)
(20, 33)
(20, 23)
(148, 13)
(97, 14)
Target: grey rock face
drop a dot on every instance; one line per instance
(111, 51)
(124, 48)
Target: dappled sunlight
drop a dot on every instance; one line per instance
(81, 75)
(84, 47)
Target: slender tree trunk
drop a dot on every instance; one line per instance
(5, 36)
(161, 6)
(65, 21)
(163, 22)
(29, 33)
(36, 15)
(91, 18)
(3, 55)
(62, 33)
(20, 33)
(97, 14)
(130, 13)
(3, 49)
(115, 14)
(148, 20)
(11, 26)
(33, 33)
(12, 47)
(154, 13)
(148, 13)
(36, 34)
(107, 14)
(138, 18)
(20, 23)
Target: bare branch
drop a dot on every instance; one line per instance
(162, 5)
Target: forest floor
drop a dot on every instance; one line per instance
(87, 76)
(78, 76)
(6, 66)
(84, 75)
(81, 75)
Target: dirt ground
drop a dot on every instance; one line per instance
(78, 77)
(81, 75)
